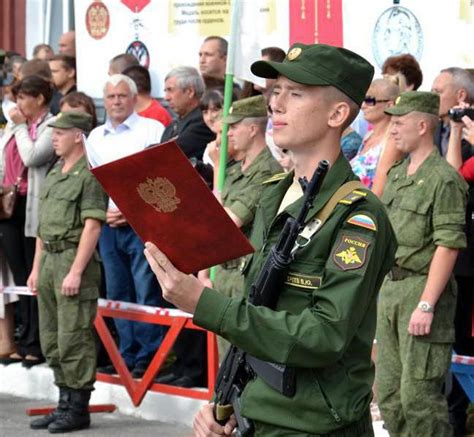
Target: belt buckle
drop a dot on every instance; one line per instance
(390, 275)
(47, 245)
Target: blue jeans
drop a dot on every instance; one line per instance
(130, 279)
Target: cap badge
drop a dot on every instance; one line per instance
(294, 53)
(397, 101)
(231, 109)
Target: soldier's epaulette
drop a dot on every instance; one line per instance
(353, 196)
(275, 178)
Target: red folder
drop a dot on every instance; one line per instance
(166, 201)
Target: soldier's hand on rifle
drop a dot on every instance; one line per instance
(204, 424)
(180, 289)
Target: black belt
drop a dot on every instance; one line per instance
(58, 246)
(397, 273)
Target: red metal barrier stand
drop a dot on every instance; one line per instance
(43, 411)
(177, 321)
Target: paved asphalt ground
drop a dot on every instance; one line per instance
(15, 423)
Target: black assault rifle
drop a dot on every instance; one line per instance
(238, 367)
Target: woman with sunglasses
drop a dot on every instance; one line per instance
(377, 146)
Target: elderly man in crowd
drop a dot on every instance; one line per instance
(184, 88)
(128, 277)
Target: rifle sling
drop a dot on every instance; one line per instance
(277, 375)
(313, 226)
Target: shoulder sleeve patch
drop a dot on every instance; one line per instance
(353, 197)
(350, 252)
(275, 178)
(363, 221)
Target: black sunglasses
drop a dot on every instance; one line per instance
(372, 101)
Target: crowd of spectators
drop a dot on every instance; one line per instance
(35, 90)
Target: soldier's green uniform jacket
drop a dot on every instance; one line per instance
(66, 323)
(324, 323)
(242, 189)
(426, 209)
(241, 193)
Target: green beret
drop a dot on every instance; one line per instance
(70, 119)
(420, 101)
(320, 64)
(246, 108)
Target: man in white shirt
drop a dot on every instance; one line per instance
(128, 276)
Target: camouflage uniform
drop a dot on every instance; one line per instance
(241, 193)
(426, 210)
(323, 323)
(66, 322)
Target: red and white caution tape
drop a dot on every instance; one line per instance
(25, 291)
(111, 304)
(144, 309)
(462, 359)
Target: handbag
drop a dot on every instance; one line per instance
(8, 197)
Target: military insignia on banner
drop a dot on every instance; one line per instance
(159, 193)
(140, 51)
(362, 220)
(351, 252)
(137, 48)
(97, 20)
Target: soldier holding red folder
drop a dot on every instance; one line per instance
(324, 322)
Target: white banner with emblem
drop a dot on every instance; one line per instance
(162, 33)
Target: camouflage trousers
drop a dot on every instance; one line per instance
(229, 282)
(66, 322)
(411, 370)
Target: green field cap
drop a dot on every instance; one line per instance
(70, 119)
(420, 101)
(320, 64)
(246, 108)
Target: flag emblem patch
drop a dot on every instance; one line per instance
(362, 220)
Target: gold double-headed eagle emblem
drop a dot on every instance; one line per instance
(160, 193)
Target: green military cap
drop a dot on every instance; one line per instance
(70, 119)
(320, 64)
(246, 108)
(420, 101)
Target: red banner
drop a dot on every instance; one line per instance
(316, 21)
(136, 5)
